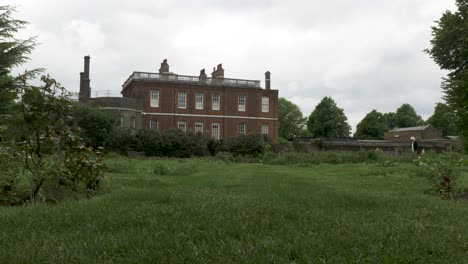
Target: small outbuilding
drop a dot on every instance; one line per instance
(420, 133)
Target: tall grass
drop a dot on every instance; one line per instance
(202, 211)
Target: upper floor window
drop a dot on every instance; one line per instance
(241, 103)
(215, 102)
(265, 104)
(182, 125)
(154, 124)
(154, 98)
(199, 101)
(265, 129)
(215, 130)
(198, 127)
(242, 129)
(182, 100)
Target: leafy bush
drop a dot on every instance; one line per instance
(247, 145)
(122, 141)
(442, 171)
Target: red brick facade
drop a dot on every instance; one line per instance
(228, 118)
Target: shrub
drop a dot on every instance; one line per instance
(122, 140)
(247, 145)
(441, 171)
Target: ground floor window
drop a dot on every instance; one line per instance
(215, 130)
(154, 124)
(242, 129)
(198, 127)
(183, 126)
(265, 129)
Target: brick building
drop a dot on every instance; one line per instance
(218, 106)
(420, 133)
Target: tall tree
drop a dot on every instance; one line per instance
(13, 52)
(391, 122)
(444, 119)
(406, 116)
(450, 51)
(327, 120)
(291, 120)
(372, 126)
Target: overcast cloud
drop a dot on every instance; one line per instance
(365, 54)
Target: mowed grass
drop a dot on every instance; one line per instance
(200, 211)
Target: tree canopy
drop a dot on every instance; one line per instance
(13, 52)
(406, 116)
(444, 119)
(328, 120)
(291, 120)
(372, 126)
(449, 49)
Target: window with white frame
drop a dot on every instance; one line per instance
(154, 124)
(241, 103)
(265, 129)
(121, 121)
(215, 130)
(265, 104)
(198, 127)
(182, 100)
(154, 98)
(241, 128)
(199, 101)
(133, 122)
(182, 125)
(215, 102)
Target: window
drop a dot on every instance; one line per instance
(121, 121)
(242, 129)
(198, 127)
(133, 122)
(241, 103)
(265, 104)
(154, 98)
(199, 101)
(265, 129)
(154, 124)
(182, 125)
(182, 100)
(215, 102)
(215, 130)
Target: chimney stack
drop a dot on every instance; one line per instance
(85, 89)
(164, 67)
(267, 80)
(202, 76)
(218, 73)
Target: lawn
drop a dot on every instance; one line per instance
(201, 211)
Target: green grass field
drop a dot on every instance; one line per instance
(200, 211)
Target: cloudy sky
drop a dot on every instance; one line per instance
(365, 54)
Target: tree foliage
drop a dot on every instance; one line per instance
(291, 120)
(449, 49)
(406, 116)
(444, 119)
(372, 126)
(327, 120)
(13, 52)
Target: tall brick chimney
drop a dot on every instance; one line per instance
(202, 76)
(85, 89)
(267, 80)
(164, 67)
(218, 73)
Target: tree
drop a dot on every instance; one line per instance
(406, 116)
(391, 122)
(327, 120)
(450, 51)
(444, 119)
(372, 126)
(13, 52)
(291, 121)
(97, 125)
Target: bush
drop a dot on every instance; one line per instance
(122, 141)
(247, 145)
(441, 171)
